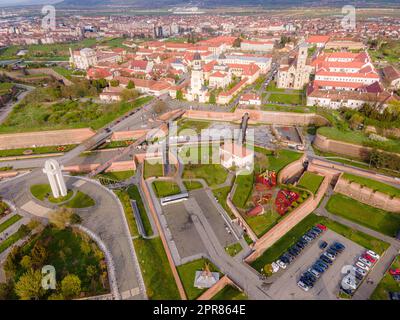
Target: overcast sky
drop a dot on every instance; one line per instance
(4, 3)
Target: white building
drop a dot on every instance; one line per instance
(262, 46)
(197, 91)
(83, 59)
(235, 155)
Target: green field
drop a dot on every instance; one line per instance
(272, 87)
(295, 109)
(195, 125)
(9, 222)
(373, 184)
(35, 151)
(80, 200)
(157, 274)
(244, 187)
(165, 188)
(123, 196)
(40, 191)
(221, 194)
(118, 175)
(387, 284)
(5, 244)
(134, 194)
(293, 98)
(376, 219)
(357, 137)
(187, 274)
(291, 237)
(233, 249)
(192, 185)
(230, 293)
(281, 160)
(310, 181)
(152, 170)
(262, 223)
(67, 114)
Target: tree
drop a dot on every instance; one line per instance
(71, 286)
(114, 83)
(129, 94)
(61, 218)
(29, 285)
(212, 98)
(179, 95)
(38, 255)
(26, 262)
(131, 85)
(159, 107)
(268, 269)
(237, 42)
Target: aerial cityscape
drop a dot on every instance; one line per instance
(213, 150)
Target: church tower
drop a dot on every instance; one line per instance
(302, 75)
(197, 77)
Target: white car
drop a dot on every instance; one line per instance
(303, 286)
(373, 254)
(361, 271)
(362, 266)
(281, 264)
(330, 256)
(314, 272)
(275, 267)
(365, 261)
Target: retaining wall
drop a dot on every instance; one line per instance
(367, 195)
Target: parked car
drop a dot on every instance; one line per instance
(317, 230)
(332, 252)
(373, 254)
(368, 257)
(318, 268)
(365, 261)
(281, 264)
(307, 238)
(338, 245)
(396, 277)
(362, 266)
(275, 267)
(394, 295)
(394, 272)
(325, 259)
(303, 286)
(314, 272)
(323, 244)
(321, 226)
(329, 255)
(361, 271)
(322, 264)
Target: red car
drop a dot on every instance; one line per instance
(368, 257)
(394, 272)
(321, 226)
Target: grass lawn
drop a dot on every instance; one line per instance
(244, 187)
(221, 194)
(213, 174)
(192, 125)
(382, 221)
(41, 191)
(123, 196)
(159, 281)
(165, 188)
(296, 109)
(373, 184)
(357, 137)
(69, 195)
(134, 194)
(294, 98)
(272, 87)
(277, 163)
(262, 223)
(71, 252)
(233, 249)
(310, 181)
(291, 237)
(81, 200)
(119, 175)
(152, 170)
(387, 284)
(66, 114)
(192, 185)
(230, 293)
(9, 222)
(4, 245)
(187, 274)
(33, 151)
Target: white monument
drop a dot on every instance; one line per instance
(56, 179)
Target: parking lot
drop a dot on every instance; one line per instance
(183, 231)
(327, 287)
